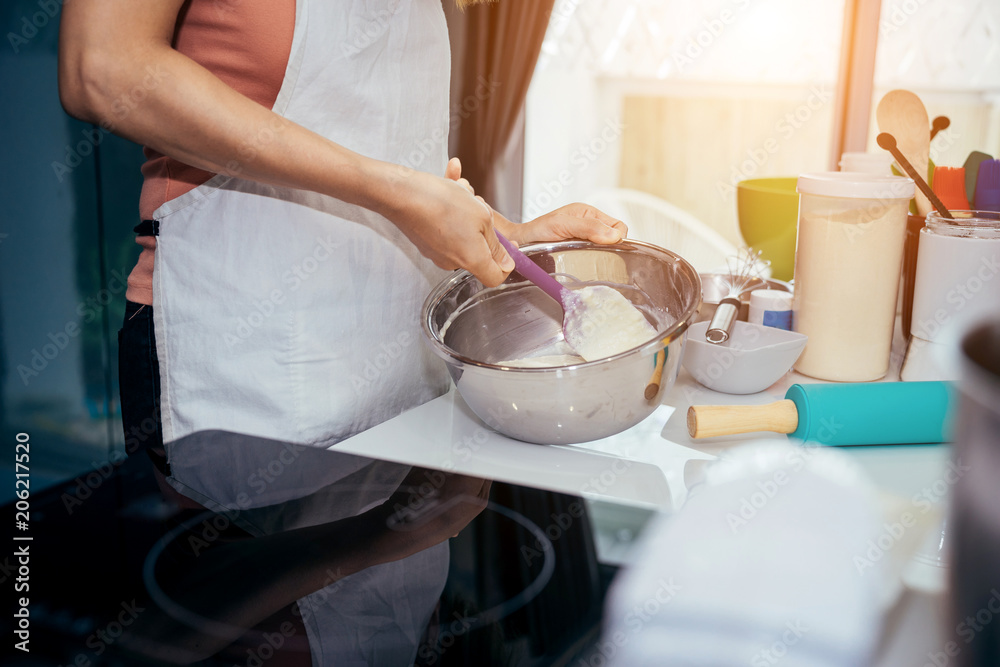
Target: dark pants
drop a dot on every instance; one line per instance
(139, 385)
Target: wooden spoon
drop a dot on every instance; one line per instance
(903, 115)
(939, 123)
(888, 142)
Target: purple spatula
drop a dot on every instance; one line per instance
(597, 320)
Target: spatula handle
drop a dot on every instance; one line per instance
(707, 421)
(536, 274)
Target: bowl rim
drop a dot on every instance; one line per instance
(663, 338)
(791, 338)
(769, 185)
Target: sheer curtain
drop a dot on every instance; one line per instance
(494, 50)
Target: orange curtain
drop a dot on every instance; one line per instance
(494, 50)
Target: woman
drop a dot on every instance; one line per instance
(297, 220)
(296, 234)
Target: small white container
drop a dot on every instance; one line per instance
(848, 256)
(867, 163)
(771, 308)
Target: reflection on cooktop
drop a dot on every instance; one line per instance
(257, 552)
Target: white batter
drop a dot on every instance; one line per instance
(605, 324)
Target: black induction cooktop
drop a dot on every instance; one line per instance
(294, 555)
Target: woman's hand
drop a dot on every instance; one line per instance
(447, 223)
(573, 221)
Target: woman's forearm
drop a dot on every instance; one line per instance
(119, 70)
(110, 50)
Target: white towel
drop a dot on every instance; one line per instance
(768, 563)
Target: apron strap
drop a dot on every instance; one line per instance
(147, 228)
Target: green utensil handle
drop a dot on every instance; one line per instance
(876, 413)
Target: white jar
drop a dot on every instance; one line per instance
(848, 256)
(771, 308)
(957, 281)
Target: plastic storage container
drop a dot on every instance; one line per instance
(847, 266)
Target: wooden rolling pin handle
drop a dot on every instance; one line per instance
(708, 421)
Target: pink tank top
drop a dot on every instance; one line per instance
(246, 44)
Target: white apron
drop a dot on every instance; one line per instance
(286, 314)
(289, 315)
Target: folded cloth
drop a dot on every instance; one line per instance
(768, 563)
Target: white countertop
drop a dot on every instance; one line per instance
(645, 467)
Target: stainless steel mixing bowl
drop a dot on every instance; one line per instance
(567, 404)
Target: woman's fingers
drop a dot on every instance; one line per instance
(453, 171)
(452, 228)
(494, 271)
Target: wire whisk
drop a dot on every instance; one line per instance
(747, 271)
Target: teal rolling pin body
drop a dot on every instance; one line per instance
(876, 413)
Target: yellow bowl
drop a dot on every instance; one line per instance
(767, 210)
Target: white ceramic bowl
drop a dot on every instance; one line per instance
(754, 357)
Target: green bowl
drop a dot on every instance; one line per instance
(767, 210)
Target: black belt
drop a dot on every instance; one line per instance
(147, 228)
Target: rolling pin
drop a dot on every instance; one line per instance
(864, 413)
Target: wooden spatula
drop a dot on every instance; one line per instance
(902, 114)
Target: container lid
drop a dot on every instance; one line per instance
(855, 185)
(771, 299)
(869, 163)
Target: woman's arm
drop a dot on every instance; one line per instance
(111, 49)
